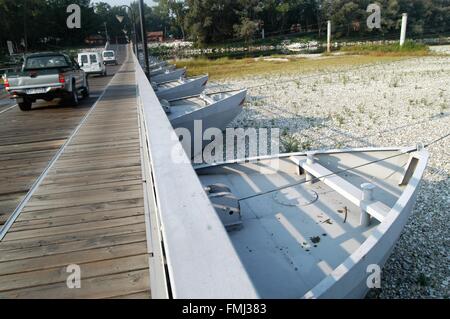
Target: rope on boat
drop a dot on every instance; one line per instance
(437, 140)
(314, 179)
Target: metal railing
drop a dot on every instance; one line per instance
(201, 260)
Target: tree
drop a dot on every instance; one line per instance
(246, 29)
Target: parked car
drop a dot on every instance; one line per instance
(47, 76)
(92, 63)
(109, 57)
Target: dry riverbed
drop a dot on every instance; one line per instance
(386, 104)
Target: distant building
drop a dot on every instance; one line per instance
(356, 25)
(155, 36)
(95, 40)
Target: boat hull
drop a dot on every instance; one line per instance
(169, 76)
(189, 88)
(161, 70)
(217, 115)
(350, 278)
(156, 65)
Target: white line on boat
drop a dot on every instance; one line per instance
(4, 229)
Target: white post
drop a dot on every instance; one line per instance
(403, 31)
(263, 34)
(367, 197)
(329, 36)
(309, 161)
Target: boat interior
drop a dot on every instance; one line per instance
(175, 83)
(175, 109)
(296, 226)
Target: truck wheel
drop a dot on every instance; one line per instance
(86, 90)
(25, 105)
(74, 97)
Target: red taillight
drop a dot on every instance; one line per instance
(6, 83)
(62, 79)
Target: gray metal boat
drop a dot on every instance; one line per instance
(161, 70)
(317, 224)
(168, 75)
(204, 111)
(157, 64)
(182, 87)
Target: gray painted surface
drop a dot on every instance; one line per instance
(169, 75)
(181, 88)
(278, 239)
(201, 260)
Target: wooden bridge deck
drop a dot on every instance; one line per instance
(88, 211)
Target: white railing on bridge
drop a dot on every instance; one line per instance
(201, 260)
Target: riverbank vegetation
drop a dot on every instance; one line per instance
(409, 48)
(235, 68)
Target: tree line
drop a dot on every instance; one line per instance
(209, 21)
(42, 23)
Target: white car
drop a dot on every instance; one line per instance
(92, 63)
(109, 57)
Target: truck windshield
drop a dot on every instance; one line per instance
(108, 54)
(45, 62)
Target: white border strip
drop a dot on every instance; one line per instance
(38, 181)
(157, 273)
(7, 109)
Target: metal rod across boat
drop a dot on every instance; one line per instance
(344, 170)
(324, 176)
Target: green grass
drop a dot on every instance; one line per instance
(410, 48)
(236, 68)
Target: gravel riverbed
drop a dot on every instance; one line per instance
(392, 104)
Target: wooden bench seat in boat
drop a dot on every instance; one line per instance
(376, 209)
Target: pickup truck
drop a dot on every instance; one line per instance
(47, 76)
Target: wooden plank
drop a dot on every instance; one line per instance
(81, 209)
(61, 260)
(93, 166)
(97, 287)
(85, 197)
(69, 229)
(88, 210)
(75, 219)
(138, 295)
(65, 238)
(110, 174)
(91, 184)
(72, 246)
(28, 140)
(32, 146)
